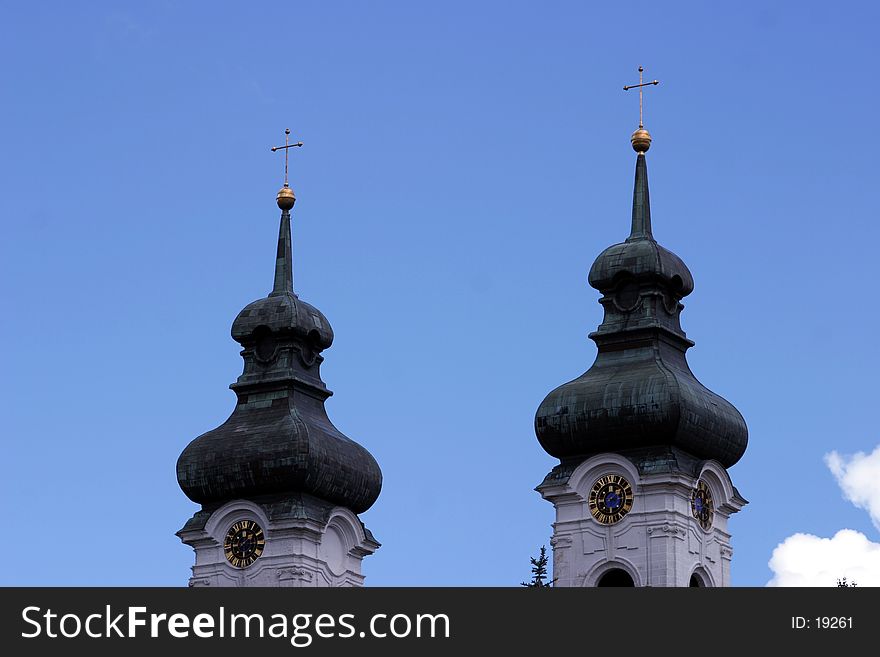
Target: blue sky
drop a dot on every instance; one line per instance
(464, 163)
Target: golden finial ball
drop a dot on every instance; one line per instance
(641, 140)
(285, 198)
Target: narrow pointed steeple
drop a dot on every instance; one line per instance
(641, 213)
(284, 258)
(640, 392)
(279, 440)
(641, 491)
(285, 200)
(641, 142)
(280, 486)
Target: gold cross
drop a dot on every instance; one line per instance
(286, 148)
(639, 87)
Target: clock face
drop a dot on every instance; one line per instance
(244, 543)
(702, 506)
(611, 498)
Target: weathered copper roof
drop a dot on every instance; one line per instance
(640, 391)
(279, 439)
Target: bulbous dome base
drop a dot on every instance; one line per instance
(270, 446)
(635, 398)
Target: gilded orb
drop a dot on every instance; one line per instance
(285, 198)
(641, 140)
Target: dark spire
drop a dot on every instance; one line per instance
(284, 259)
(641, 213)
(278, 441)
(640, 397)
(285, 200)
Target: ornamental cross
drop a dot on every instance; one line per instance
(286, 148)
(639, 87)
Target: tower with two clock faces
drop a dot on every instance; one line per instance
(280, 487)
(641, 492)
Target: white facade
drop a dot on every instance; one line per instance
(658, 543)
(298, 551)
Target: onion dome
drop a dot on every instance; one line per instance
(279, 439)
(640, 391)
(282, 311)
(640, 256)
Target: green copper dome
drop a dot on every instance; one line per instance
(640, 391)
(278, 439)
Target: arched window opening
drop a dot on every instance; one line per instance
(616, 577)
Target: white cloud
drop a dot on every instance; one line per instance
(859, 479)
(808, 560)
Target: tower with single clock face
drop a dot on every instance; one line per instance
(280, 487)
(641, 492)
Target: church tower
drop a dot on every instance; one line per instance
(642, 493)
(280, 486)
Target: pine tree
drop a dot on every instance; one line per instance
(539, 570)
